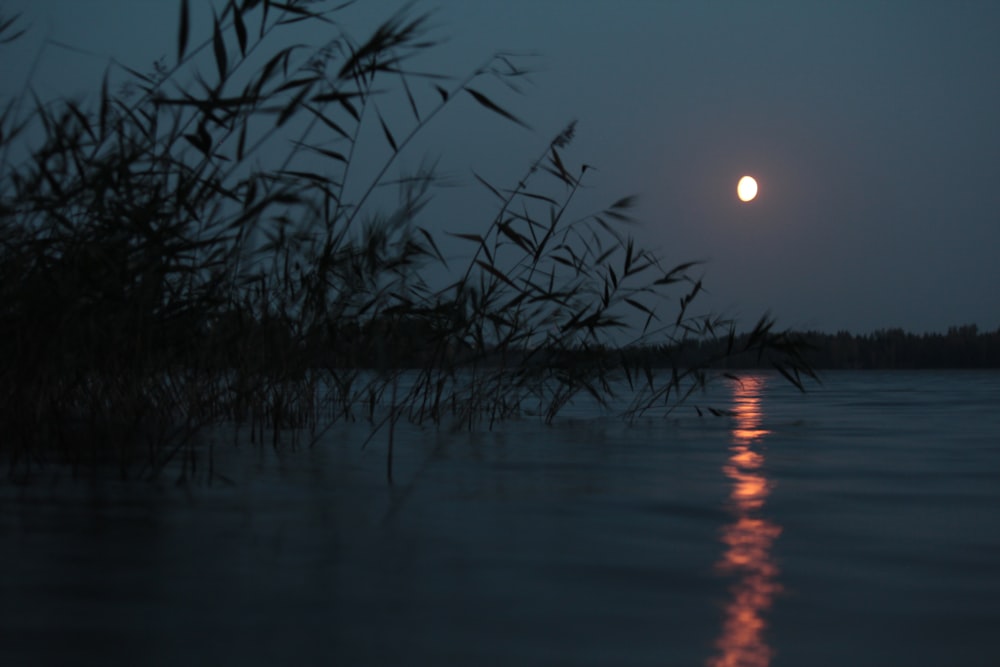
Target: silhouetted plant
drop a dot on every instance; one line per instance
(203, 247)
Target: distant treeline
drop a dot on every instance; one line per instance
(961, 347)
(419, 342)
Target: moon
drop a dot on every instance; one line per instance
(746, 189)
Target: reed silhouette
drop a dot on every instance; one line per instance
(200, 245)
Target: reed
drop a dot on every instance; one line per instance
(200, 245)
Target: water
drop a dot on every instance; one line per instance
(858, 524)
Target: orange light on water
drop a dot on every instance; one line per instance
(744, 458)
(747, 413)
(749, 491)
(748, 540)
(748, 434)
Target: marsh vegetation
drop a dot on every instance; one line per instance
(208, 243)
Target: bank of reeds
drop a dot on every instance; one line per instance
(201, 245)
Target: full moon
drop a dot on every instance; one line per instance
(746, 189)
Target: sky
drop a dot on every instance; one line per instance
(873, 129)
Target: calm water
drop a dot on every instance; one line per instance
(858, 524)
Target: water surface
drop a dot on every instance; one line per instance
(858, 524)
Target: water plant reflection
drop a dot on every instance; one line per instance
(748, 539)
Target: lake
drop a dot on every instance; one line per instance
(856, 524)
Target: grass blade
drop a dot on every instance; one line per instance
(184, 30)
(219, 47)
(241, 28)
(496, 272)
(105, 106)
(495, 108)
(388, 133)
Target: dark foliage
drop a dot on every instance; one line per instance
(200, 247)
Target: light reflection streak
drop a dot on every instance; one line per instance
(748, 540)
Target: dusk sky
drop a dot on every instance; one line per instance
(873, 129)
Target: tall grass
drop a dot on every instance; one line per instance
(209, 243)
